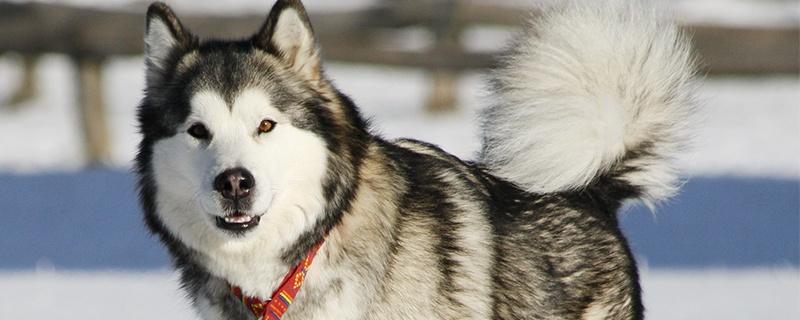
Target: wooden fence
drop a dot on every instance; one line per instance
(91, 36)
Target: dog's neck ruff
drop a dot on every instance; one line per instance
(282, 298)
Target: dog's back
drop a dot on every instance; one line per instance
(590, 106)
(466, 244)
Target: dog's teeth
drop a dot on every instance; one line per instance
(238, 219)
(232, 219)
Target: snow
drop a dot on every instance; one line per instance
(44, 133)
(749, 13)
(97, 295)
(750, 131)
(742, 207)
(749, 126)
(764, 294)
(721, 294)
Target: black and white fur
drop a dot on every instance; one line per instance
(589, 107)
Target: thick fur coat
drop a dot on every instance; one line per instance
(250, 156)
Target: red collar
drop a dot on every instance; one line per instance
(276, 306)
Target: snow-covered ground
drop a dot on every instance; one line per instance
(750, 131)
(748, 147)
(768, 294)
(750, 126)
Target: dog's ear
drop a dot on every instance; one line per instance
(164, 35)
(288, 34)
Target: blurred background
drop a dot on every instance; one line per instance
(72, 243)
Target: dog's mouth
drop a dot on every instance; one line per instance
(238, 222)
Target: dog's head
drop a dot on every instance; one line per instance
(244, 142)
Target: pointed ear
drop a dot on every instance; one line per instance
(288, 34)
(164, 33)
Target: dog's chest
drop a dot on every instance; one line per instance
(332, 294)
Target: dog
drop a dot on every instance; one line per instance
(275, 198)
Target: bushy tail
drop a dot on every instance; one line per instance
(593, 92)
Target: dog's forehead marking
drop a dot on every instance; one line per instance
(254, 103)
(249, 104)
(208, 104)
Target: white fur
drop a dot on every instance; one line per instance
(478, 263)
(585, 86)
(296, 41)
(158, 42)
(596, 312)
(288, 165)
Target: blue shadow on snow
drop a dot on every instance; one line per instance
(91, 220)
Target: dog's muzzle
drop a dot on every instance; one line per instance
(235, 186)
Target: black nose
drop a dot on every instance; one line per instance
(234, 183)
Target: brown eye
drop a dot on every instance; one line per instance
(199, 131)
(266, 126)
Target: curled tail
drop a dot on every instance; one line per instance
(593, 92)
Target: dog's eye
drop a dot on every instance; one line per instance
(266, 126)
(199, 131)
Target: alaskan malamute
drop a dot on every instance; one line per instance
(275, 199)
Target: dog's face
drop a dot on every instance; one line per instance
(234, 132)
